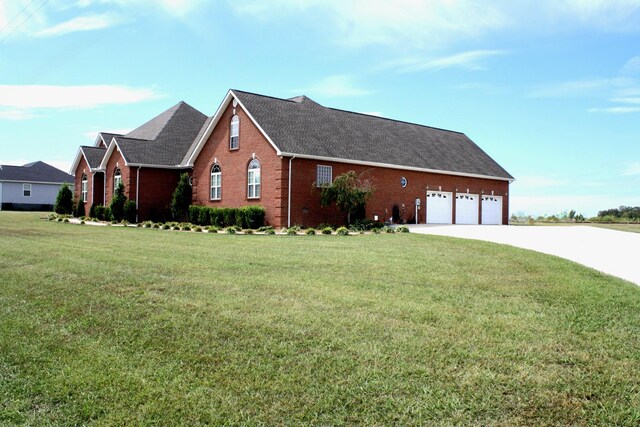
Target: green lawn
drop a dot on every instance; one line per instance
(634, 228)
(115, 326)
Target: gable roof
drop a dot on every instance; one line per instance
(299, 126)
(162, 141)
(105, 137)
(34, 172)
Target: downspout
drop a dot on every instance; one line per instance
(289, 200)
(104, 189)
(93, 176)
(137, 191)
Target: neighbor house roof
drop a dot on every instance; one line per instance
(302, 127)
(34, 172)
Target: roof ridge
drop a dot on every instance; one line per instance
(271, 97)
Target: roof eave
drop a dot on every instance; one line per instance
(394, 166)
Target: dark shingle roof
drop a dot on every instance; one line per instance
(34, 172)
(301, 126)
(165, 139)
(107, 137)
(93, 155)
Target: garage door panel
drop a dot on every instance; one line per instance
(439, 207)
(492, 210)
(467, 208)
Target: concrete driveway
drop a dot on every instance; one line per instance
(610, 251)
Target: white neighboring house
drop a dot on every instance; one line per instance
(33, 186)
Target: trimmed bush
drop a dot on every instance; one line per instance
(327, 230)
(117, 203)
(197, 229)
(130, 211)
(402, 229)
(245, 217)
(248, 231)
(181, 199)
(64, 201)
(79, 209)
(230, 230)
(388, 230)
(213, 229)
(292, 231)
(270, 231)
(342, 231)
(310, 231)
(166, 227)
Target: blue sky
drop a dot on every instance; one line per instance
(550, 89)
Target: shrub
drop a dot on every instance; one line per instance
(181, 199)
(147, 224)
(166, 227)
(231, 230)
(265, 228)
(248, 231)
(310, 231)
(64, 201)
(213, 229)
(130, 211)
(79, 209)
(325, 225)
(92, 211)
(117, 203)
(254, 216)
(65, 220)
(292, 231)
(342, 231)
(185, 227)
(228, 216)
(376, 230)
(197, 229)
(113, 221)
(388, 230)
(402, 229)
(82, 222)
(270, 231)
(327, 230)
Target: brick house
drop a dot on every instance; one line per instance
(276, 152)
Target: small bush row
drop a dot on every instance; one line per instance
(249, 217)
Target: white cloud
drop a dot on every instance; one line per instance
(632, 169)
(627, 100)
(615, 110)
(334, 87)
(632, 66)
(469, 60)
(584, 87)
(16, 114)
(87, 22)
(43, 96)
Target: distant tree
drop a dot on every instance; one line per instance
(348, 192)
(181, 199)
(572, 214)
(64, 201)
(117, 203)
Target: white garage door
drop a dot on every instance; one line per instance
(492, 210)
(467, 209)
(439, 207)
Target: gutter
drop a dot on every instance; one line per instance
(289, 188)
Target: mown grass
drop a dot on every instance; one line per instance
(633, 228)
(115, 326)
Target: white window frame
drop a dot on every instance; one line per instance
(253, 179)
(26, 188)
(234, 139)
(84, 187)
(216, 183)
(117, 179)
(324, 175)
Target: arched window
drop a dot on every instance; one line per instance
(117, 179)
(216, 182)
(84, 187)
(235, 132)
(253, 179)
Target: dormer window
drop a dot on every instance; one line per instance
(235, 133)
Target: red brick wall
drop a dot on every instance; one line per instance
(233, 164)
(156, 188)
(116, 160)
(306, 209)
(94, 186)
